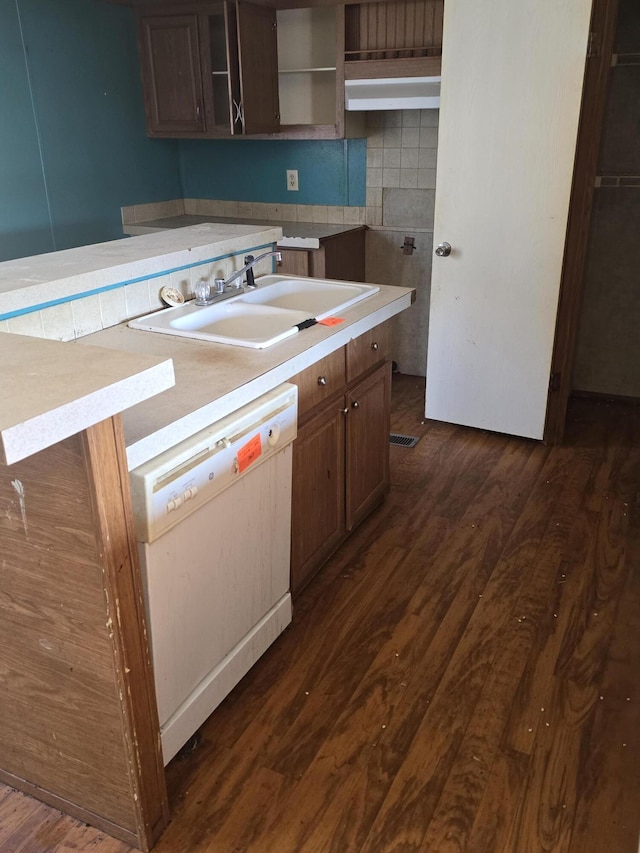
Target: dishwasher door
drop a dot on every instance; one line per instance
(216, 584)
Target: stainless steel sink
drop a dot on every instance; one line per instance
(258, 318)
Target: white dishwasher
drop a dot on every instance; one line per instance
(213, 523)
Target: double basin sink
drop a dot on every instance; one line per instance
(258, 318)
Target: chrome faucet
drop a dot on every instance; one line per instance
(224, 288)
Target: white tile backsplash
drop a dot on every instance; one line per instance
(391, 177)
(27, 324)
(375, 138)
(409, 179)
(258, 210)
(410, 137)
(137, 298)
(320, 213)
(58, 322)
(374, 178)
(392, 157)
(405, 142)
(86, 315)
(393, 137)
(409, 158)
(411, 118)
(426, 179)
(428, 137)
(427, 158)
(374, 157)
(429, 118)
(113, 307)
(374, 197)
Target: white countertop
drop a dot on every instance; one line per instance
(213, 380)
(46, 395)
(295, 235)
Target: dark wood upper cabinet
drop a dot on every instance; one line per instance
(220, 69)
(393, 39)
(212, 73)
(171, 70)
(258, 68)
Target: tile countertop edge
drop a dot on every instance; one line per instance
(37, 282)
(295, 235)
(132, 379)
(143, 447)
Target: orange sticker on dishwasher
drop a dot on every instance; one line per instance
(249, 452)
(331, 321)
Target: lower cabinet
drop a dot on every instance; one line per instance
(318, 494)
(367, 445)
(341, 455)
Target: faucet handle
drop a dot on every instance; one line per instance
(202, 291)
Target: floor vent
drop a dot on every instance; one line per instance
(403, 440)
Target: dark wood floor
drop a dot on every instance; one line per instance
(463, 676)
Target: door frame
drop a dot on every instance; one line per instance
(594, 95)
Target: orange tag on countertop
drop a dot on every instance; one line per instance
(249, 452)
(331, 321)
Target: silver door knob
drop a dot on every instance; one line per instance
(443, 250)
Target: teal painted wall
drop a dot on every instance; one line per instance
(73, 147)
(330, 172)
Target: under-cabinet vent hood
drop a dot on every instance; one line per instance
(393, 93)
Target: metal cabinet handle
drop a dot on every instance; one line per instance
(355, 405)
(375, 346)
(443, 250)
(322, 380)
(344, 411)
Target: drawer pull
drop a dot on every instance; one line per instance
(344, 411)
(355, 405)
(375, 346)
(322, 380)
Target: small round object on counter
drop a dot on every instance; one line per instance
(171, 296)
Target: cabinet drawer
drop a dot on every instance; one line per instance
(371, 348)
(320, 381)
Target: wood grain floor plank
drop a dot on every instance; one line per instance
(608, 809)
(401, 711)
(563, 605)
(546, 820)
(500, 804)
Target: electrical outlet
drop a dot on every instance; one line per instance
(292, 179)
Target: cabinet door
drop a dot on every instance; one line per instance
(317, 517)
(258, 61)
(294, 262)
(367, 443)
(172, 75)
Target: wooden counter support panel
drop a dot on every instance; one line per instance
(78, 722)
(340, 256)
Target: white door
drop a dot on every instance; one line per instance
(512, 75)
